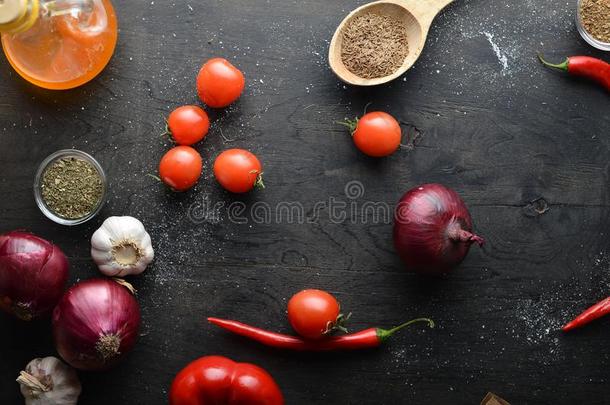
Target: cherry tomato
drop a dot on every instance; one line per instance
(188, 124)
(313, 313)
(221, 381)
(180, 168)
(376, 134)
(238, 170)
(219, 83)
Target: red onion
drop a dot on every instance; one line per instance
(432, 229)
(96, 323)
(33, 274)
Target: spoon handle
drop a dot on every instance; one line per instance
(425, 10)
(441, 4)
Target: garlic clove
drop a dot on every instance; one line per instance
(101, 255)
(101, 240)
(111, 271)
(125, 228)
(149, 253)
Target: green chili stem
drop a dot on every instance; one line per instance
(385, 334)
(561, 66)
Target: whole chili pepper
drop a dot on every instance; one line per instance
(584, 66)
(364, 339)
(596, 311)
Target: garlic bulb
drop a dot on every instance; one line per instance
(121, 246)
(48, 381)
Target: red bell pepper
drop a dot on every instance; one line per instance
(220, 381)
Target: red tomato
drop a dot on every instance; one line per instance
(377, 134)
(180, 168)
(188, 124)
(313, 313)
(221, 381)
(219, 83)
(238, 170)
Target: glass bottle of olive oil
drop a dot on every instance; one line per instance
(58, 44)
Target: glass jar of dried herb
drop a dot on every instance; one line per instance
(593, 22)
(70, 187)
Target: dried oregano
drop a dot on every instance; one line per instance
(595, 17)
(374, 45)
(71, 187)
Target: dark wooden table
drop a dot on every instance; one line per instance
(513, 138)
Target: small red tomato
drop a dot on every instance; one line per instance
(216, 380)
(238, 170)
(313, 313)
(219, 83)
(188, 124)
(180, 168)
(376, 134)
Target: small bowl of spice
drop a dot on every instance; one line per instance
(593, 22)
(70, 187)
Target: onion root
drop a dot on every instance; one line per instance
(108, 346)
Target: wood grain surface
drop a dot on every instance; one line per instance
(526, 147)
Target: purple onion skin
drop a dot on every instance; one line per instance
(433, 229)
(33, 275)
(89, 311)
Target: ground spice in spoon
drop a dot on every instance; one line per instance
(595, 17)
(71, 187)
(374, 45)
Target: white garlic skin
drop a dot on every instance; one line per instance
(64, 387)
(114, 232)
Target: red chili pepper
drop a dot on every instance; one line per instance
(596, 311)
(364, 339)
(584, 66)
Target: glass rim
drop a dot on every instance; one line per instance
(38, 182)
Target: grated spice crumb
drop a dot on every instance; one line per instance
(595, 17)
(374, 45)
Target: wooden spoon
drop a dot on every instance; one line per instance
(417, 15)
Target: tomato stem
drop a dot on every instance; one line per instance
(153, 176)
(350, 124)
(259, 181)
(339, 324)
(561, 66)
(167, 131)
(385, 334)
